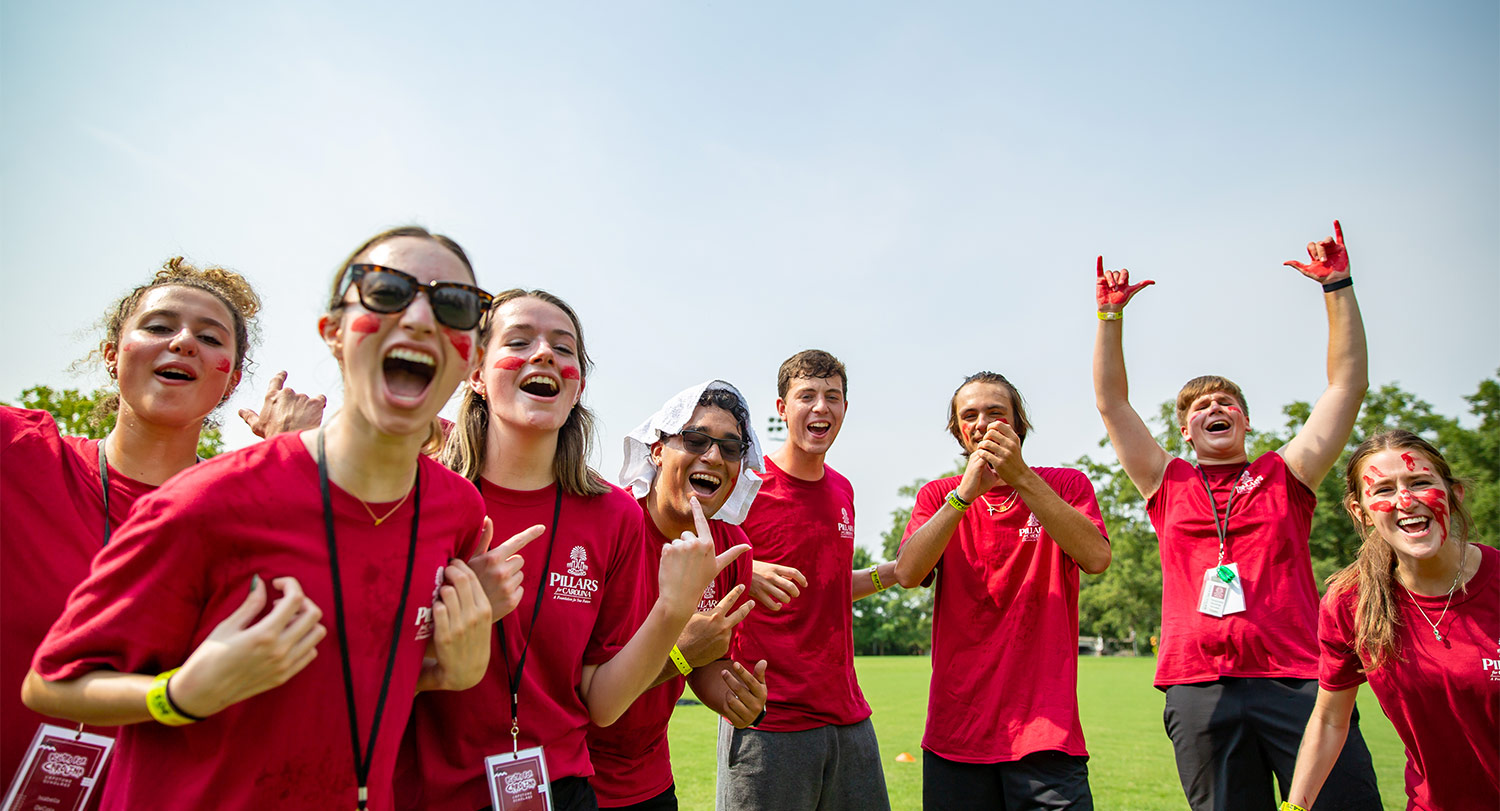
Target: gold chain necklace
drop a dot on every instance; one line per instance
(1456, 575)
(1004, 505)
(381, 519)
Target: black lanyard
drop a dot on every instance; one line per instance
(104, 485)
(1213, 507)
(362, 762)
(515, 679)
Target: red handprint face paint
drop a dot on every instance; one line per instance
(1409, 506)
(365, 325)
(224, 365)
(510, 363)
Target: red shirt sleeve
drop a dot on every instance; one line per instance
(1076, 489)
(1339, 667)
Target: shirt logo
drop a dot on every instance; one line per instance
(575, 586)
(424, 613)
(1246, 484)
(1032, 532)
(709, 599)
(845, 524)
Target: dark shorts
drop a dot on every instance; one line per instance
(827, 768)
(1232, 736)
(1040, 780)
(665, 801)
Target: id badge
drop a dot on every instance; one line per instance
(518, 781)
(60, 770)
(1223, 592)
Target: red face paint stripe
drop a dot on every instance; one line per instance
(224, 365)
(366, 323)
(1437, 501)
(461, 342)
(1382, 506)
(509, 364)
(570, 373)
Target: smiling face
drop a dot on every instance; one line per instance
(1216, 427)
(530, 373)
(814, 411)
(176, 356)
(1405, 500)
(682, 475)
(400, 368)
(975, 407)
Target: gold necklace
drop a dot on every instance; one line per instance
(381, 520)
(1456, 575)
(1004, 505)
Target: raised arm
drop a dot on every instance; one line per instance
(1315, 449)
(1073, 531)
(1142, 458)
(922, 551)
(1327, 728)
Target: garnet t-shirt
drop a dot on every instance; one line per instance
(631, 759)
(183, 562)
(51, 525)
(1268, 527)
(1443, 697)
(809, 644)
(591, 605)
(1005, 610)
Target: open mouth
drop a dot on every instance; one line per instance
(1415, 525)
(409, 371)
(539, 385)
(176, 374)
(704, 485)
(1217, 425)
(819, 428)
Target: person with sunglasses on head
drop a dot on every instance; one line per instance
(351, 519)
(694, 458)
(1002, 544)
(1239, 654)
(816, 747)
(176, 348)
(582, 647)
(1417, 615)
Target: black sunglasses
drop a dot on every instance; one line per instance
(697, 443)
(387, 290)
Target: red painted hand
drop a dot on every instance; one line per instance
(1113, 290)
(1330, 261)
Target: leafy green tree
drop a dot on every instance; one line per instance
(80, 414)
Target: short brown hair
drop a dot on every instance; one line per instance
(812, 364)
(1018, 421)
(336, 297)
(1207, 384)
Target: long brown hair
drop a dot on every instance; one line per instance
(434, 442)
(464, 451)
(1372, 573)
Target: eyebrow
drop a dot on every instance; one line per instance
(532, 328)
(200, 321)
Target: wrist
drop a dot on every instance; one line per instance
(161, 706)
(1288, 805)
(1332, 287)
(1111, 315)
(680, 661)
(958, 502)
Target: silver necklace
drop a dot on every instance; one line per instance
(1436, 634)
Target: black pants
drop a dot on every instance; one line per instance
(665, 801)
(570, 794)
(1233, 735)
(1041, 780)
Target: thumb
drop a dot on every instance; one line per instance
(760, 671)
(486, 534)
(1295, 264)
(729, 556)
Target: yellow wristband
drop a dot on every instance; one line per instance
(875, 577)
(1104, 316)
(956, 501)
(681, 661)
(1288, 805)
(160, 705)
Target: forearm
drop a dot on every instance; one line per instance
(1111, 385)
(1321, 745)
(864, 585)
(100, 698)
(1348, 357)
(1078, 536)
(708, 685)
(924, 548)
(620, 681)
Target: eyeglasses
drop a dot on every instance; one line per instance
(387, 290)
(697, 443)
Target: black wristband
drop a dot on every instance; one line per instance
(759, 718)
(1338, 285)
(167, 691)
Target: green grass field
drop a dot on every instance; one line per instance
(1130, 764)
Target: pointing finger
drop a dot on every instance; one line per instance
(699, 521)
(1338, 233)
(1101, 266)
(729, 599)
(277, 381)
(518, 541)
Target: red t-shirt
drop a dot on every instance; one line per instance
(809, 644)
(183, 562)
(1443, 698)
(630, 756)
(51, 525)
(1005, 611)
(590, 608)
(1275, 636)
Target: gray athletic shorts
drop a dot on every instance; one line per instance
(828, 768)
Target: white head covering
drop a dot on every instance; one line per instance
(638, 472)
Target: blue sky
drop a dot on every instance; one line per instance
(920, 189)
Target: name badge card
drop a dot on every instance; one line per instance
(60, 770)
(1223, 591)
(519, 782)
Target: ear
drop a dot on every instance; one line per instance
(1458, 493)
(476, 374)
(333, 336)
(781, 408)
(656, 454)
(234, 383)
(111, 353)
